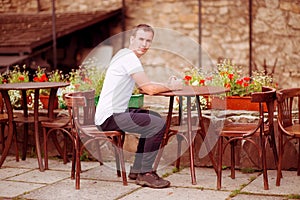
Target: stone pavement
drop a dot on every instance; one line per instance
(23, 180)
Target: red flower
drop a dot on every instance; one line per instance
(36, 79)
(21, 78)
(247, 78)
(202, 82)
(187, 78)
(230, 76)
(209, 78)
(227, 85)
(245, 84)
(87, 80)
(43, 78)
(239, 82)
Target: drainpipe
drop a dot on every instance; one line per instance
(250, 38)
(123, 22)
(54, 35)
(200, 32)
(39, 6)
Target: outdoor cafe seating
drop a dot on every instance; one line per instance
(82, 107)
(257, 133)
(288, 101)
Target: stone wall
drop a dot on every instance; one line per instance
(225, 30)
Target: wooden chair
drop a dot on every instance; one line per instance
(25, 119)
(82, 106)
(3, 123)
(264, 129)
(288, 124)
(60, 125)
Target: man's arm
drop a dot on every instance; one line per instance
(149, 87)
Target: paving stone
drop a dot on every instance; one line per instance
(9, 172)
(256, 197)
(290, 184)
(90, 189)
(47, 177)
(23, 180)
(11, 189)
(176, 193)
(207, 178)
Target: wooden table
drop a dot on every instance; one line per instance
(36, 86)
(188, 92)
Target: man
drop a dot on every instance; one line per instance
(112, 112)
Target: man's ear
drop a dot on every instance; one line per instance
(131, 39)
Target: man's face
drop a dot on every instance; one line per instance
(141, 42)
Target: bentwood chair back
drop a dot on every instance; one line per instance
(82, 106)
(59, 126)
(3, 124)
(263, 129)
(288, 103)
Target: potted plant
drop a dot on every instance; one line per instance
(136, 99)
(16, 75)
(42, 76)
(228, 75)
(86, 77)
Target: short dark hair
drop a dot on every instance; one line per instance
(144, 27)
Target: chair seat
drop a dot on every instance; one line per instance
(30, 119)
(294, 130)
(92, 131)
(4, 117)
(183, 128)
(61, 122)
(238, 129)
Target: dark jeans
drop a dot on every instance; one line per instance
(151, 128)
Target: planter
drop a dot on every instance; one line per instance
(45, 99)
(136, 101)
(233, 103)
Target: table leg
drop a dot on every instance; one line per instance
(10, 126)
(191, 141)
(36, 130)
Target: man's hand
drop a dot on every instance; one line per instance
(174, 83)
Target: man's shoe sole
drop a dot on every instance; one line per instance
(145, 183)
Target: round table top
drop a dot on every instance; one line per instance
(32, 85)
(195, 90)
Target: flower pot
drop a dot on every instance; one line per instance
(136, 101)
(233, 103)
(45, 100)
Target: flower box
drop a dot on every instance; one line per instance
(233, 103)
(45, 100)
(136, 101)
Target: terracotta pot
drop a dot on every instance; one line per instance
(233, 103)
(45, 99)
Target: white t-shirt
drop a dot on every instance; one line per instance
(118, 85)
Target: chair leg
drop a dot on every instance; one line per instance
(121, 159)
(16, 144)
(232, 167)
(2, 137)
(25, 141)
(65, 154)
(179, 141)
(117, 155)
(298, 171)
(45, 148)
(272, 142)
(220, 157)
(73, 162)
(279, 166)
(77, 160)
(264, 162)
